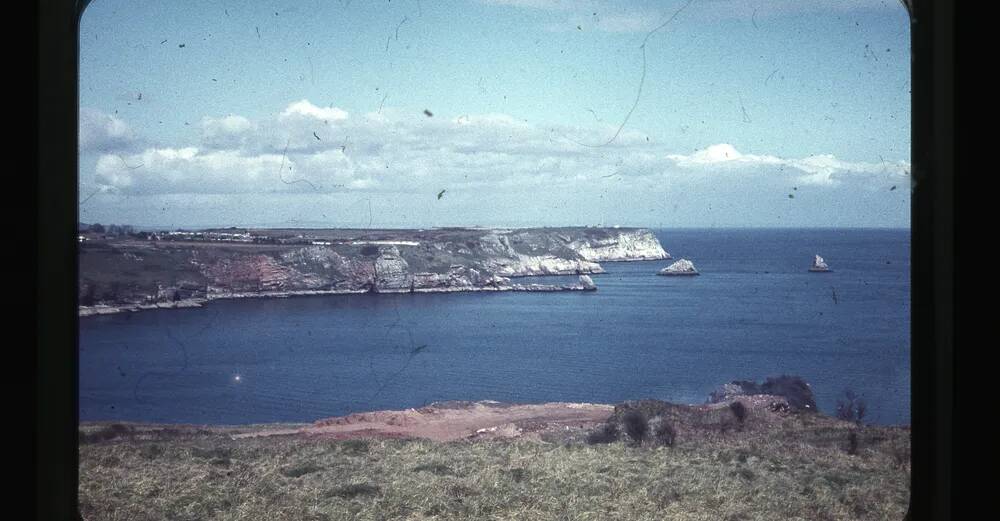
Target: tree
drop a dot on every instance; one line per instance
(851, 407)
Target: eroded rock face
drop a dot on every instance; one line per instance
(391, 271)
(248, 273)
(527, 265)
(626, 245)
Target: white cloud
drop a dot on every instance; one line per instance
(824, 169)
(226, 132)
(100, 131)
(304, 108)
(407, 152)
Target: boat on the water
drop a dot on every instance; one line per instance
(819, 265)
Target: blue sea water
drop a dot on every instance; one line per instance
(754, 312)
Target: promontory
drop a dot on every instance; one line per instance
(162, 269)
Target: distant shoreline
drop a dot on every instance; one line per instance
(100, 310)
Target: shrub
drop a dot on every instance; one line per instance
(635, 425)
(852, 443)
(606, 433)
(663, 432)
(739, 411)
(851, 407)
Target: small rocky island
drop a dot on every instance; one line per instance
(680, 268)
(819, 265)
(147, 270)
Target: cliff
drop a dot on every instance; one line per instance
(188, 268)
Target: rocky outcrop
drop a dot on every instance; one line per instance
(793, 388)
(679, 268)
(819, 265)
(391, 271)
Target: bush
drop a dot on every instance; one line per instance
(852, 443)
(636, 425)
(607, 433)
(851, 407)
(663, 432)
(739, 411)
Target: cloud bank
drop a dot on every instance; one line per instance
(309, 149)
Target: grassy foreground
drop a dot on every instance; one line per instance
(801, 471)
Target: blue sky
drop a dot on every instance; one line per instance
(751, 113)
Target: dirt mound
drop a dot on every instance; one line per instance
(450, 421)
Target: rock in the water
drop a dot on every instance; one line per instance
(587, 283)
(681, 267)
(819, 265)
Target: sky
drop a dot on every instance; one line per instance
(423, 113)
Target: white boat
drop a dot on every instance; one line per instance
(819, 265)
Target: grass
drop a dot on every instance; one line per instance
(803, 473)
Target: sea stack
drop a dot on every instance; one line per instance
(681, 267)
(819, 265)
(587, 283)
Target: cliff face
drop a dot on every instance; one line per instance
(128, 272)
(623, 246)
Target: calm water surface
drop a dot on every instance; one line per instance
(754, 312)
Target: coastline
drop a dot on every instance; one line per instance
(109, 309)
(128, 274)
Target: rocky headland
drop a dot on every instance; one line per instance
(187, 269)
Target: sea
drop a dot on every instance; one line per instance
(755, 311)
